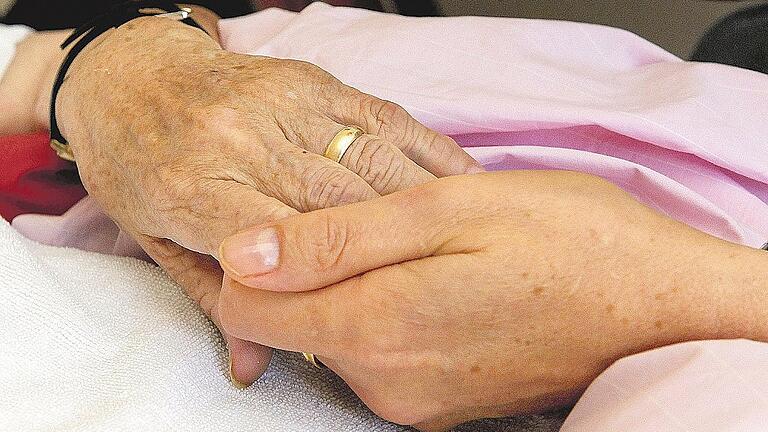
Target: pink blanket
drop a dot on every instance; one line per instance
(685, 138)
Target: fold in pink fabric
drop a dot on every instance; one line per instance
(687, 139)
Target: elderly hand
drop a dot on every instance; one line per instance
(183, 143)
(487, 295)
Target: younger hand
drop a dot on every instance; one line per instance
(487, 295)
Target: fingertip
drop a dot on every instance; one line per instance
(234, 380)
(470, 164)
(475, 169)
(247, 362)
(445, 157)
(250, 253)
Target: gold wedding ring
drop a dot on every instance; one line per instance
(342, 142)
(312, 360)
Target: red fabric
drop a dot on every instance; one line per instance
(33, 179)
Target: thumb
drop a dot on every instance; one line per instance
(313, 250)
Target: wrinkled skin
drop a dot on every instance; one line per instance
(487, 295)
(183, 143)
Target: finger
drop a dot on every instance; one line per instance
(307, 181)
(287, 321)
(381, 164)
(437, 153)
(247, 360)
(200, 277)
(200, 219)
(313, 250)
(336, 323)
(199, 224)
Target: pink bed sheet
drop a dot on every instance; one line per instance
(687, 139)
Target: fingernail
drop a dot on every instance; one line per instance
(250, 253)
(235, 382)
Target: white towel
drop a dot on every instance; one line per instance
(93, 342)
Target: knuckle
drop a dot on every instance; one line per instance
(215, 120)
(426, 142)
(386, 114)
(398, 402)
(170, 190)
(391, 406)
(378, 163)
(206, 299)
(327, 243)
(172, 198)
(414, 137)
(274, 213)
(388, 353)
(441, 146)
(445, 191)
(330, 187)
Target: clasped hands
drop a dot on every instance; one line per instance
(437, 300)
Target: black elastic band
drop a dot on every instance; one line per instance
(113, 18)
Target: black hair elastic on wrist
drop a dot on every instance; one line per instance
(113, 18)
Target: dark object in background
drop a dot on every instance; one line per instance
(63, 14)
(740, 39)
(419, 8)
(403, 7)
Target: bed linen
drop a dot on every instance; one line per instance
(684, 138)
(93, 342)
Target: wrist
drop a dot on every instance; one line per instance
(738, 284)
(719, 291)
(127, 65)
(143, 46)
